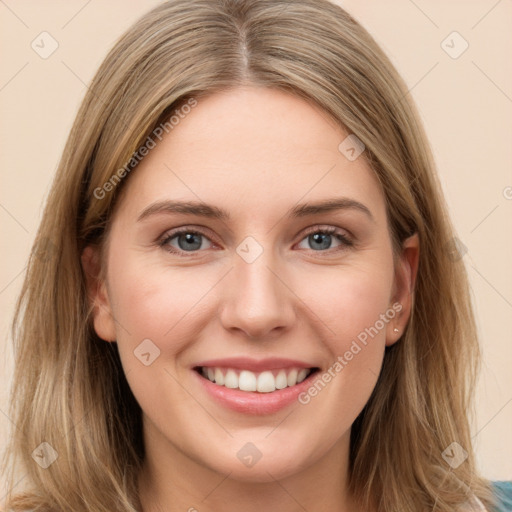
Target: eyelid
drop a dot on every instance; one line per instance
(201, 230)
(328, 228)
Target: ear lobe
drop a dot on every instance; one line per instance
(405, 281)
(97, 294)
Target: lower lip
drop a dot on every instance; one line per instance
(252, 402)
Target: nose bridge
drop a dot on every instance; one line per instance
(257, 300)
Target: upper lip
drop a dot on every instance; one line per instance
(255, 365)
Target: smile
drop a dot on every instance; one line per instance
(263, 382)
(254, 386)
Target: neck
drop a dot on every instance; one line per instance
(173, 481)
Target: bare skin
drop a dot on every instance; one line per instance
(256, 153)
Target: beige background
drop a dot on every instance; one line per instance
(466, 104)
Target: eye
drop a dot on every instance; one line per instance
(185, 240)
(322, 238)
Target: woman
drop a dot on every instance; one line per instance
(240, 297)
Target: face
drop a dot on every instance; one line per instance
(277, 277)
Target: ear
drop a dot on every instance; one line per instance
(406, 269)
(97, 294)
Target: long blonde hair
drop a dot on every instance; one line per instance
(69, 389)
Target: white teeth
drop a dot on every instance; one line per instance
(231, 380)
(264, 382)
(292, 378)
(246, 381)
(302, 375)
(219, 378)
(281, 380)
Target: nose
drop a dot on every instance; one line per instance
(257, 300)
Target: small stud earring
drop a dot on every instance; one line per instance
(396, 330)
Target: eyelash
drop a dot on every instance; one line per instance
(347, 243)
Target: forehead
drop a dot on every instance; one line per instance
(253, 149)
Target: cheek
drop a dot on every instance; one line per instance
(354, 310)
(348, 301)
(166, 307)
(159, 303)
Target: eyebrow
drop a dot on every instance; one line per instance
(209, 211)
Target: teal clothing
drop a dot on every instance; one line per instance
(503, 492)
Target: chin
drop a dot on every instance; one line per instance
(248, 463)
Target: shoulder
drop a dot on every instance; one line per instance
(503, 492)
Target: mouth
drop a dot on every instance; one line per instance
(254, 386)
(267, 381)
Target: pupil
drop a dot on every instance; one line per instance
(191, 239)
(319, 237)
